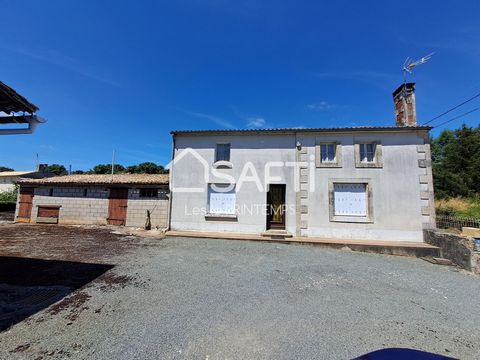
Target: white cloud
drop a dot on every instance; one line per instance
(320, 106)
(256, 122)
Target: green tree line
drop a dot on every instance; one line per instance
(456, 163)
(142, 168)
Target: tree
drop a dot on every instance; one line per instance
(57, 169)
(456, 162)
(4, 168)
(107, 169)
(149, 168)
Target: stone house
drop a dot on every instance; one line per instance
(122, 199)
(354, 182)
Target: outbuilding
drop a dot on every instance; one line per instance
(121, 199)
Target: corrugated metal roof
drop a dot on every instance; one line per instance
(303, 130)
(103, 179)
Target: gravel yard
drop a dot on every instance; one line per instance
(180, 298)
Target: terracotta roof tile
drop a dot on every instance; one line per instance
(104, 179)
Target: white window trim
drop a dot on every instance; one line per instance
(377, 158)
(347, 218)
(337, 163)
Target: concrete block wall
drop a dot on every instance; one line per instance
(137, 209)
(76, 208)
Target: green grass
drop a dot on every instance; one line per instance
(459, 207)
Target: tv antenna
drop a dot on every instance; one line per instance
(410, 64)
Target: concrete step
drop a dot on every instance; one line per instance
(277, 234)
(401, 248)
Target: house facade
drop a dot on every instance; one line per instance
(124, 199)
(355, 183)
(8, 179)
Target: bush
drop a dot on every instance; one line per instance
(9, 196)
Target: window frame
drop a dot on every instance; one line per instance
(224, 215)
(377, 154)
(217, 153)
(368, 218)
(141, 193)
(336, 163)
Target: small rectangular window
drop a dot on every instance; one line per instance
(148, 193)
(367, 153)
(327, 152)
(50, 192)
(222, 152)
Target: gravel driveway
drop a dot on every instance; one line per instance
(185, 298)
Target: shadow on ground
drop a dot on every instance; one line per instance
(400, 354)
(30, 285)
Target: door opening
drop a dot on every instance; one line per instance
(276, 207)
(117, 206)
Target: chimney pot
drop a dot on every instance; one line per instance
(404, 101)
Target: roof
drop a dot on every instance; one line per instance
(103, 179)
(303, 130)
(11, 101)
(16, 173)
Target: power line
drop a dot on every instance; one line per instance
(457, 117)
(450, 110)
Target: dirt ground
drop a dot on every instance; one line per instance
(41, 264)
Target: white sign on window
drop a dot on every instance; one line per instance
(350, 199)
(221, 202)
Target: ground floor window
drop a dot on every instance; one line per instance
(350, 201)
(221, 199)
(148, 193)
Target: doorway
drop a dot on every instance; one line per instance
(276, 207)
(25, 205)
(117, 206)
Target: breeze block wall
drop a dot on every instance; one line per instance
(79, 204)
(137, 208)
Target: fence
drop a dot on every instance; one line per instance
(456, 222)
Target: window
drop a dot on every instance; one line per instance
(222, 152)
(85, 191)
(367, 152)
(221, 199)
(50, 192)
(327, 152)
(148, 193)
(350, 199)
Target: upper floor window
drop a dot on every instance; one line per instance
(222, 152)
(367, 152)
(328, 152)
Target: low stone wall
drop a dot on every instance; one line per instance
(460, 250)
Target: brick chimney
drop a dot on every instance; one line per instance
(404, 100)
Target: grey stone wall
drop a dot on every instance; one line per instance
(460, 250)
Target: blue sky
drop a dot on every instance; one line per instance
(123, 74)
